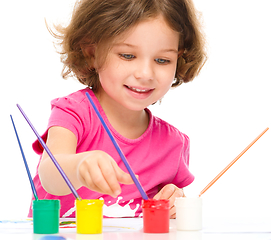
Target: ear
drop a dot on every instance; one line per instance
(180, 52)
(89, 54)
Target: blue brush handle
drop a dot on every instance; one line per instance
(137, 183)
(25, 163)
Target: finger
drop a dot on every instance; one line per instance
(170, 192)
(99, 183)
(157, 196)
(84, 176)
(110, 177)
(98, 174)
(172, 210)
(177, 193)
(180, 193)
(166, 192)
(86, 180)
(122, 176)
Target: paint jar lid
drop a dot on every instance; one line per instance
(156, 204)
(188, 202)
(46, 204)
(87, 203)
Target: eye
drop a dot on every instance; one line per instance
(127, 56)
(162, 61)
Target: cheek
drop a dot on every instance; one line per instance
(167, 77)
(104, 73)
(104, 80)
(110, 79)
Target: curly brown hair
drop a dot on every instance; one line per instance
(98, 22)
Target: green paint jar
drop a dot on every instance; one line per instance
(46, 216)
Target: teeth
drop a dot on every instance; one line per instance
(138, 90)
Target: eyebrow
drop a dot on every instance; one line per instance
(133, 46)
(124, 44)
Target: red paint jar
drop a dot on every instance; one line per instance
(155, 216)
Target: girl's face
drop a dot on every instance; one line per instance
(141, 66)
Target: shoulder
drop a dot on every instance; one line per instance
(75, 104)
(78, 97)
(72, 112)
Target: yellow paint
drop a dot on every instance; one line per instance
(89, 216)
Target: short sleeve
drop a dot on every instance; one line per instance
(67, 112)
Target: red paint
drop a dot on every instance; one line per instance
(155, 216)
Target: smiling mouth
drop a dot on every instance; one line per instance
(139, 90)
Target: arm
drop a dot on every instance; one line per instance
(170, 192)
(95, 170)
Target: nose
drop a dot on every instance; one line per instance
(144, 70)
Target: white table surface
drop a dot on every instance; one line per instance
(217, 229)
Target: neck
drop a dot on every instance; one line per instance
(130, 124)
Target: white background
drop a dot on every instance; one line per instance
(222, 110)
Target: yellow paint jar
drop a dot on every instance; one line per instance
(89, 216)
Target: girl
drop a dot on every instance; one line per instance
(129, 53)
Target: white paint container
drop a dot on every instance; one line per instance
(189, 213)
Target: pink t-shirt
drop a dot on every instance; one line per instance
(159, 156)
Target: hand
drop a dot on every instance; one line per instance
(170, 192)
(99, 172)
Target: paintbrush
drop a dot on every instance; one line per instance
(137, 183)
(25, 163)
(51, 156)
(231, 163)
